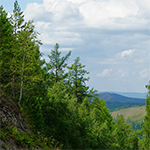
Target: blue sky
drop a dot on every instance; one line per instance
(112, 37)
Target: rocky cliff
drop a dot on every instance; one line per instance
(13, 126)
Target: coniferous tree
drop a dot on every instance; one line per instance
(25, 65)
(56, 66)
(146, 124)
(17, 21)
(31, 64)
(60, 114)
(77, 80)
(121, 135)
(6, 54)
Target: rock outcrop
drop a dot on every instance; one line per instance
(10, 115)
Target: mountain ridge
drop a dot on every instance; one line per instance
(114, 97)
(116, 101)
(128, 94)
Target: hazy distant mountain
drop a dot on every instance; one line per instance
(133, 94)
(113, 97)
(116, 101)
(128, 94)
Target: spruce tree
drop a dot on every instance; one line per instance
(121, 135)
(77, 80)
(17, 21)
(57, 65)
(31, 63)
(6, 54)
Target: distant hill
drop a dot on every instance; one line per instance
(116, 101)
(113, 97)
(136, 113)
(128, 94)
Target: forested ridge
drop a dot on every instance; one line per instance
(54, 96)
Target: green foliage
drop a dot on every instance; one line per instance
(4, 146)
(96, 124)
(123, 136)
(28, 139)
(77, 79)
(115, 106)
(56, 66)
(136, 125)
(146, 124)
(6, 54)
(60, 114)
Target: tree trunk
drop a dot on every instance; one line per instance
(22, 75)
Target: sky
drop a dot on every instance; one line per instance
(112, 37)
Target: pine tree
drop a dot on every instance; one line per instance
(56, 66)
(17, 21)
(77, 80)
(28, 45)
(6, 42)
(121, 135)
(26, 64)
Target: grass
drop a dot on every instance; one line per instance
(28, 140)
(135, 113)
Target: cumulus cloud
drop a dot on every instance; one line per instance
(104, 73)
(97, 29)
(37, 12)
(127, 53)
(80, 15)
(109, 14)
(62, 10)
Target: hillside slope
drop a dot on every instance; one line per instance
(135, 113)
(15, 133)
(13, 126)
(116, 101)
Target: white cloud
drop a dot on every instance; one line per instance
(127, 53)
(62, 10)
(145, 73)
(71, 16)
(37, 12)
(61, 37)
(66, 49)
(100, 30)
(104, 73)
(109, 14)
(77, 1)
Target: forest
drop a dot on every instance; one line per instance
(54, 96)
